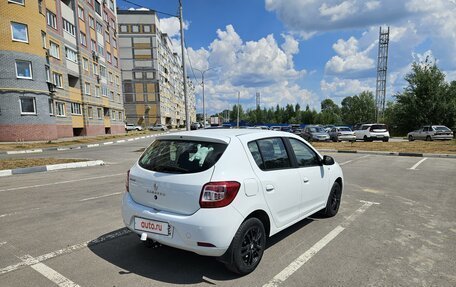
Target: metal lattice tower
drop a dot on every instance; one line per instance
(382, 64)
(258, 96)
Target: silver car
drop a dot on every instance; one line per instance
(158, 127)
(342, 133)
(430, 133)
(314, 133)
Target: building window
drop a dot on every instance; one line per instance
(116, 62)
(105, 17)
(100, 113)
(111, 5)
(58, 79)
(51, 107)
(112, 95)
(114, 43)
(43, 39)
(81, 13)
(104, 91)
(83, 39)
(22, 2)
(85, 64)
(97, 7)
(99, 28)
(107, 38)
(28, 106)
(76, 109)
(120, 114)
(113, 115)
(40, 6)
(68, 27)
(54, 50)
(135, 28)
(71, 55)
(146, 28)
(91, 22)
(97, 91)
(100, 50)
(108, 57)
(23, 69)
(48, 73)
(51, 19)
(19, 32)
(95, 68)
(87, 88)
(103, 71)
(90, 112)
(94, 45)
(123, 28)
(60, 109)
(110, 77)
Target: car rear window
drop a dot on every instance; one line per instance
(441, 128)
(181, 156)
(345, 129)
(378, 127)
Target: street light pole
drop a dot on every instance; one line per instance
(202, 83)
(187, 116)
(239, 95)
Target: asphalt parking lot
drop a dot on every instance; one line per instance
(396, 227)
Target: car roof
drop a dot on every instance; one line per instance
(224, 135)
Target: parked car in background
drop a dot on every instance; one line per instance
(158, 127)
(314, 133)
(341, 133)
(275, 128)
(195, 126)
(262, 127)
(328, 127)
(372, 132)
(256, 183)
(133, 127)
(285, 129)
(227, 126)
(430, 133)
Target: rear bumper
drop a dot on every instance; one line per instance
(216, 226)
(442, 137)
(346, 137)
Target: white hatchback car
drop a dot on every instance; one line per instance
(223, 192)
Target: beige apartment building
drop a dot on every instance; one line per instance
(153, 89)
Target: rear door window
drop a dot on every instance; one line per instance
(304, 155)
(181, 156)
(273, 154)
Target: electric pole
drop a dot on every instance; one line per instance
(181, 19)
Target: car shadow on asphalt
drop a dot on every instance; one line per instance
(166, 264)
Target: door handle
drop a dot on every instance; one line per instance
(306, 180)
(269, 187)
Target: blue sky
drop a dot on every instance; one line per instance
(304, 51)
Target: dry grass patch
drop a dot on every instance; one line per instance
(442, 147)
(13, 163)
(59, 143)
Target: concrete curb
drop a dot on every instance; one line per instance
(43, 168)
(79, 147)
(391, 153)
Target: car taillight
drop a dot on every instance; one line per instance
(218, 194)
(339, 134)
(127, 183)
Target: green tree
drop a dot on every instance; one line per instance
(358, 109)
(428, 99)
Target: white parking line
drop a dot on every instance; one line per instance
(48, 272)
(101, 196)
(306, 256)
(67, 250)
(61, 182)
(18, 212)
(349, 161)
(418, 163)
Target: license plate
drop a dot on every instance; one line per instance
(152, 226)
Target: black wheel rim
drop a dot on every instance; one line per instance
(252, 246)
(335, 199)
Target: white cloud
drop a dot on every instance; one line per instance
(171, 26)
(253, 66)
(338, 87)
(349, 58)
(338, 11)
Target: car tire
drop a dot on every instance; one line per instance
(365, 139)
(385, 140)
(428, 138)
(333, 203)
(247, 247)
(410, 138)
(335, 139)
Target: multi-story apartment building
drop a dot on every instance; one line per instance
(151, 72)
(59, 69)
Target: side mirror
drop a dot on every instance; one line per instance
(327, 160)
